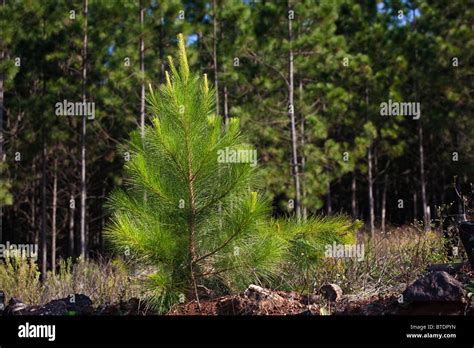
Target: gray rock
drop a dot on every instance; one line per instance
(436, 286)
(77, 304)
(15, 307)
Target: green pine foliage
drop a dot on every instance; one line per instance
(194, 217)
(305, 244)
(199, 219)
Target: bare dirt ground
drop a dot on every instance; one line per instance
(438, 293)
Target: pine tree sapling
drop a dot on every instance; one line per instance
(199, 223)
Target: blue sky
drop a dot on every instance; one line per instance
(407, 18)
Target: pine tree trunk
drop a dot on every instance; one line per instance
(376, 185)
(72, 210)
(415, 203)
(354, 196)
(83, 246)
(142, 72)
(33, 226)
(36, 205)
(214, 52)
(424, 203)
(460, 203)
(369, 172)
(329, 200)
(192, 228)
(371, 193)
(426, 217)
(43, 250)
(43, 247)
(53, 216)
(102, 222)
(226, 106)
(443, 181)
(291, 115)
(304, 209)
(384, 202)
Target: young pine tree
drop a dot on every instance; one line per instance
(185, 209)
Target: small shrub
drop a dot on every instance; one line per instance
(19, 277)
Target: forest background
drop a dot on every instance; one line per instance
(306, 78)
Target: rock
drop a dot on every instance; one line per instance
(112, 309)
(331, 292)
(131, 307)
(466, 234)
(78, 304)
(15, 307)
(2, 302)
(74, 304)
(56, 307)
(436, 286)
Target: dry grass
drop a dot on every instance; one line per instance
(392, 260)
(104, 281)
